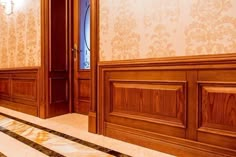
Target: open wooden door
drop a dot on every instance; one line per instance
(81, 53)
(68, 80)
(55, 67)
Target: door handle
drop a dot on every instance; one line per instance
(74, 51)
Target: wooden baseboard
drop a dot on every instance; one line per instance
(167, 144)
(32, 110)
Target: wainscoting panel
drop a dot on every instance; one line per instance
(217, 109)
(4, 87)
(19, 90)
(158, 106)
(183, 106)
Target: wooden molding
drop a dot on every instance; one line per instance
(139, 100)
(198, 60)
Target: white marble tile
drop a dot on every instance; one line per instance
(77, 125)
(51, 141)
(13, 148)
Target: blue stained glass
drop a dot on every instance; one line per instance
(84, 34)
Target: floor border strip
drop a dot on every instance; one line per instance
(30, 143)
(71, 138)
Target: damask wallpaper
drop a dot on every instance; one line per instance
(20, 35)
(135, 29)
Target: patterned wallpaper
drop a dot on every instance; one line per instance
(135, 29)
(20, 35)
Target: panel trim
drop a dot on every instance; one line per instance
(183, 62)
(177, 123)
(213, 84)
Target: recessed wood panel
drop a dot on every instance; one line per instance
(59, 35)
(59, 90)
(151, 100)
(217, 113)
(24, 89)
(84, 89)
(144, 100)
(218, 107)
(81, 107)
(20, 90)
(4, 87)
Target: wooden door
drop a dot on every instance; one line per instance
(57, 72)
(81, 52)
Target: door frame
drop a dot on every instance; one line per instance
(94, 41)
(94, 58)
(94, 33)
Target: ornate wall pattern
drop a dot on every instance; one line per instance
(20, 35)
(213, 30)
(137, 29)
(125, 28)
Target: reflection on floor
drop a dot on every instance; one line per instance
(32, 138)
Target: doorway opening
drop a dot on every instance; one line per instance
(84, 44)
(69, 58)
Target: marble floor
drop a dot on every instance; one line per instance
(23, 135)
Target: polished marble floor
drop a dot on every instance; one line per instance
(23, 135)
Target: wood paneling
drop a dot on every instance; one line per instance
(59, 39)
(185, 106)
(217, 113)
(85, 89)
(158, 100)
(82, 94)
(81, 106)
(218, 107)
(59, 90)
(4, 87)
(150, 100)
(19, 90)
(24, 88)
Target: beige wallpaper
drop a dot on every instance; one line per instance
(134, 29)
(20, 35)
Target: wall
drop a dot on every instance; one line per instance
(20, 35)
(136, 29)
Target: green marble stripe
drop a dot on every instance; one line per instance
(71, 138)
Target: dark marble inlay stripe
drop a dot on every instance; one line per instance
(2, 155)
(71, 138)
(32, 144)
